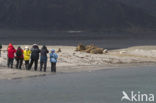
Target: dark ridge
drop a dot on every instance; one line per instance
(73, 14)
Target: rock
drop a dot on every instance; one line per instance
(105, 51)
(122, 52)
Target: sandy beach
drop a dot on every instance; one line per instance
(74, 61)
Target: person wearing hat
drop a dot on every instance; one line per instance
(27, 54)
(53, 60)
(34, 56)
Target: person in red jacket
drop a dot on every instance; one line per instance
(19, 57)
(11, 52)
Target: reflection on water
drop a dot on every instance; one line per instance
(104, 86)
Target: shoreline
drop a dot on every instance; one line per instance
(72, 61)
(13, 74)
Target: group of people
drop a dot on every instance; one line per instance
(31, 56)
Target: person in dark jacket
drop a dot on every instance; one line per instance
(43, 58)
(0, 49)
(11, 55)
(19, 57)
(34, 56)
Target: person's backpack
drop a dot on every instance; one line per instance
(19, 53)
(35, 53)
(53, 58)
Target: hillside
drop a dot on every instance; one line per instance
(147, 5)
(72, 14)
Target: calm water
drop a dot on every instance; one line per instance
(105, 40)
(103, 86)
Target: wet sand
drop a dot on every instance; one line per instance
(7, 73)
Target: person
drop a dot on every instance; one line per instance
(19, 57)
(43, 58)
(34, 56)
(0, 49)
(53, 60)
(27, 54)
(11, 52)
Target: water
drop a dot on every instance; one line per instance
(103, 86)
(102, 39)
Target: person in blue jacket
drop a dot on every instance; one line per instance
(53, 60)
